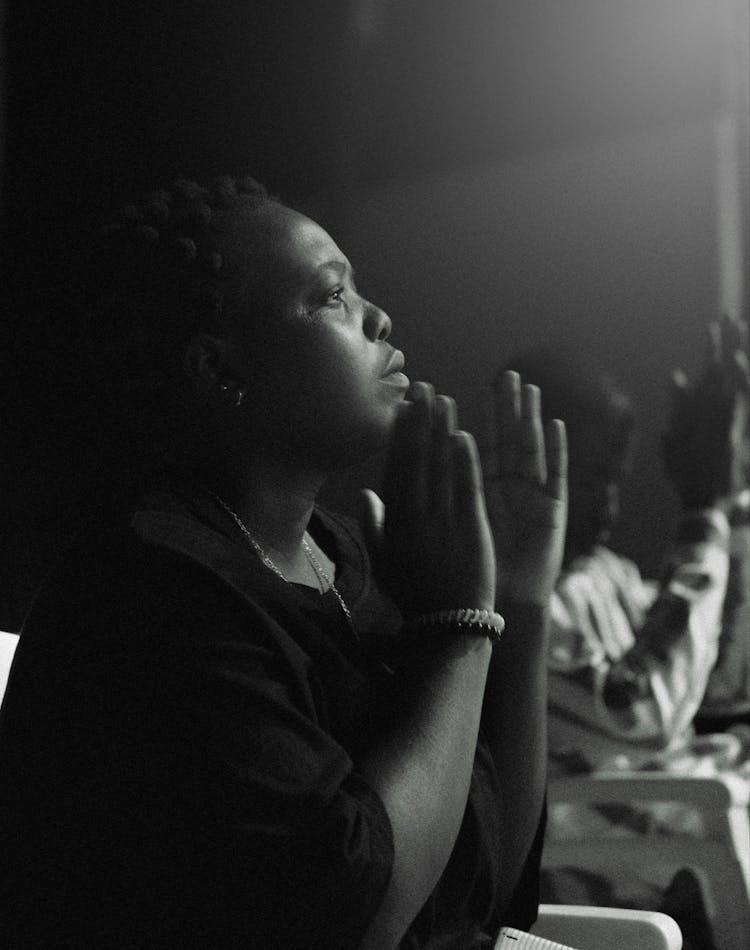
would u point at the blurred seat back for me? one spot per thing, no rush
(8, 643)
(717, 850)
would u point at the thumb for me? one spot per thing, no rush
(679, 381)
(372, 519)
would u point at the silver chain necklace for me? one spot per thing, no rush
(326, 582)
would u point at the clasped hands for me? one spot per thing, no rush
(452, 531)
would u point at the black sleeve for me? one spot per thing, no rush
(308, 832)
(165, 764)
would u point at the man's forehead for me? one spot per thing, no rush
(274, 229)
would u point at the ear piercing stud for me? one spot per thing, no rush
(230, 394)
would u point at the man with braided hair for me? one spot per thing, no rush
(222, 727)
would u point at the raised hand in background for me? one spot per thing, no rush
(706, 446)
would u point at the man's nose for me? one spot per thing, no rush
(377, 323)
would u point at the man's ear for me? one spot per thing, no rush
(208, 365)
(204, 361)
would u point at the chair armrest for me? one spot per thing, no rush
(723, 800)
(607, 928)
(717, 792)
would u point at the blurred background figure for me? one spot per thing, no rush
(632, 661)
(710, 422)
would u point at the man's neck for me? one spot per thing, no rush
(274, 507)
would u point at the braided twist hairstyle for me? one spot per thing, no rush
(174, 264)
(159, 276)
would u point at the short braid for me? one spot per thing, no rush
(158, 275)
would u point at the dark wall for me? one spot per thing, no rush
(103, 100)
(608, 247)
(547, 171)
(108, 97)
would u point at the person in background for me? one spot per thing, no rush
(710, 420)
(229, 722)
(631, 659)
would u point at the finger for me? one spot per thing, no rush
(679, 393)
(735, 352)
(372, 519)
(556, 439)
(468, 489)
(733, 337)
(444, 426)
(679, 381)
(742, 335)
(532, 461)
(713, 345)
(742, 370)
(407, 471)
(508, 413)
(729, 372)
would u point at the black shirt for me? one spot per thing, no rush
(179, 746)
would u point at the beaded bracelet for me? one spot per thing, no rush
(483, 622)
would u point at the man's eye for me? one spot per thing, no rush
(336, 295)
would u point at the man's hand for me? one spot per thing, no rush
(431, 539)
(706, 446)
(525, 471)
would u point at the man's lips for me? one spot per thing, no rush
(395, 364)
(393, 374)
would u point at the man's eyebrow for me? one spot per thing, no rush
(341, 267)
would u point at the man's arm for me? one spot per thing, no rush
(526, 478)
